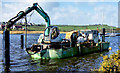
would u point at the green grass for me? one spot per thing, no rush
(71, 27)
(35, 28)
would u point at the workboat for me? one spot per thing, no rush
(75, 43)
(51, 45)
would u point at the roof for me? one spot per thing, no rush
(18, 26)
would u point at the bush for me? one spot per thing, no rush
(110, 63)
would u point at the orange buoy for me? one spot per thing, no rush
(110, 48)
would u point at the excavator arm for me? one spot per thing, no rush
(48, 33)
(21, 14)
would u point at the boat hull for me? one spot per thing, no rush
(55, 53)
(69, 52)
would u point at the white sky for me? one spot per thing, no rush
(60, 0)
(66, 12)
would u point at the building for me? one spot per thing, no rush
(17, 27)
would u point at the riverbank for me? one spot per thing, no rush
(65, 28)
(28, 32)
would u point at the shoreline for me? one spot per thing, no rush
(35, 32)
(28, 32)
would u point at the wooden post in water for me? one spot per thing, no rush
(25, 32)
(6, 50)
(103, 35)
(103, 38)
(22, 41)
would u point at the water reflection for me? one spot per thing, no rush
(1, 52)
(21, 61)
(80, 63)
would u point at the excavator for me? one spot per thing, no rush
(49, 40)
(50, 34)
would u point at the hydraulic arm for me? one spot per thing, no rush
(21, 14)
(49, 34)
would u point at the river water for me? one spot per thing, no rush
(21, 61)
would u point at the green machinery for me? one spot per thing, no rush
(51, 32)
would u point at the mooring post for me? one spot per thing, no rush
(103, 38)
(103, 35)
(6, 50)
(22, 41)
(25, 32)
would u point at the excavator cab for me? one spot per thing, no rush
(51, 33)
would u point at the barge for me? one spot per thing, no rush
(75, 43)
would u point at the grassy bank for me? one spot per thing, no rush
(66, 28)
(63, 28)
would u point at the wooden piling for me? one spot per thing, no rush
(6, 50)
(103, 35)
(22, 41)
(25, 32)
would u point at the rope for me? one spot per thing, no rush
(30, 16)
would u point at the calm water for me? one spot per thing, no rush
(21, 61)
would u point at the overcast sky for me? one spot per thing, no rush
(80, 12)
